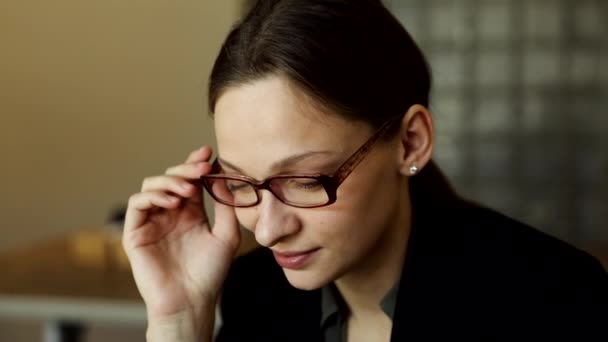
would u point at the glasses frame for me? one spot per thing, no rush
(329, 182)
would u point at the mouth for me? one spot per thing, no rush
(294, 260)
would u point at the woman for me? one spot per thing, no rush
(324, 152)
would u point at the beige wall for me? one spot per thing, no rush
(95, 95)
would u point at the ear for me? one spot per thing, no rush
(416, 140)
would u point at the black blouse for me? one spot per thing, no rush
(470, 273)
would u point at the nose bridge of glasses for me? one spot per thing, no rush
(268, 199)
(265, 184)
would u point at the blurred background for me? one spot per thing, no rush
(96, 95)
(521, 105)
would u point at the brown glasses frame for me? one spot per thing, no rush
(329, 182)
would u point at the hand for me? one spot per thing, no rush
(179, 263)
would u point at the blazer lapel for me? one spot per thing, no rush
(423, 285)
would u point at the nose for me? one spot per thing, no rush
(275, 222)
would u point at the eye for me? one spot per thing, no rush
(234, 186)
(306, 184)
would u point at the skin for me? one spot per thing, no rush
(260, 127)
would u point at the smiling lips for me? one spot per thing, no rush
(294, 260)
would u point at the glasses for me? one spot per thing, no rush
(297, 190)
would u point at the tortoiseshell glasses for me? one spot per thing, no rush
(298, 190)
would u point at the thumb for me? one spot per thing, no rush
(226, 225)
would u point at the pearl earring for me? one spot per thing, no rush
(413, 169)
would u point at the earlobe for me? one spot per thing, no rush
(413, 169)
(416, 138)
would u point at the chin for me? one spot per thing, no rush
(307, 280)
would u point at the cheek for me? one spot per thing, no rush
(247, 217)
(365, 207)
(346, 236)
(370, 194)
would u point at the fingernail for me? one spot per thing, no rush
(187, 186)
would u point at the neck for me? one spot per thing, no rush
(365, 288)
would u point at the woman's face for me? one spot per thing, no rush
(268, 127)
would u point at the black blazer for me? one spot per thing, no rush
(470, 274)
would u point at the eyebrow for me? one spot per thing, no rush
(283, 163)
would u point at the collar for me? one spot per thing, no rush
(333, 305)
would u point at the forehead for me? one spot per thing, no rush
(270, 105)
(258, 123)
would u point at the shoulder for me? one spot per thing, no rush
(474, 264)
(527, 270)
(516, 245)
(482, 246)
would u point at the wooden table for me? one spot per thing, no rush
(73, 280)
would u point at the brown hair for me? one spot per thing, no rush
(351, 56)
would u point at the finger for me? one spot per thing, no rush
(192, 171)
(202, 154)
(146, 235)
(174, 184)
(141, 203)
(226, 226)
